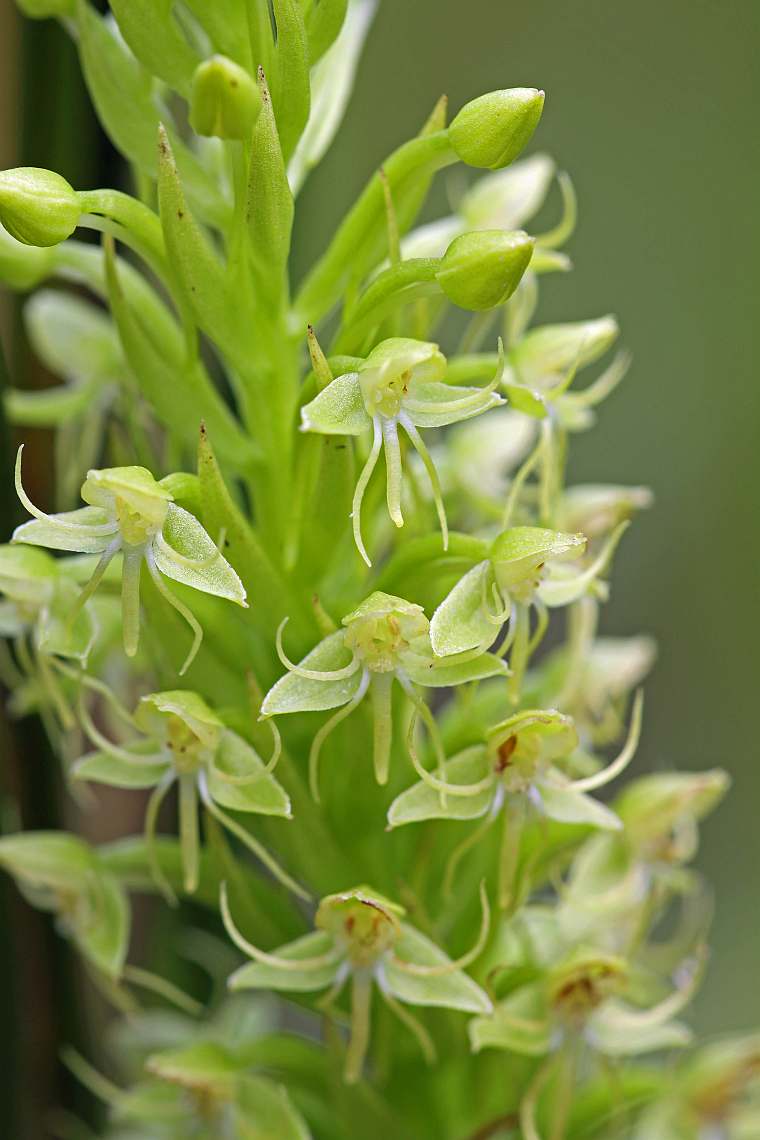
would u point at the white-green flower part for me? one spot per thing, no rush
(182, 741)
(61, 873)
(580, 995)
(527, 567)
(361, 937)
(128, 512)
(400, 385)
(385, 639)
(516, 770)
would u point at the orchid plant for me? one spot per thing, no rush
(430, 621)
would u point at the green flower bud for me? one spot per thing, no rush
(37, 207)
(225, 100)
(491, 131)
(22, 266)
(481, 270)
(42, 9)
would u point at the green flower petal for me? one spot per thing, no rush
(521, 1024)
(437, 675)
(235, 757)
(338, 409)
(566, 805)
(40, 532)
(423, 802)
(185, 536)
(302, 694)
(460, 622)
(260, 976)
(450, 991)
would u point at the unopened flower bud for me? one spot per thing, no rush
(37, 207)
(481, 270)
(491, 131)
(225, 100)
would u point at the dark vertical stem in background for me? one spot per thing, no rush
(45, 120)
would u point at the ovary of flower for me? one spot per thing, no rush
(130, 512)
(399, 385)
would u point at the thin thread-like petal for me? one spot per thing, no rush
(361, 487)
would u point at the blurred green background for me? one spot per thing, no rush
(652, 107)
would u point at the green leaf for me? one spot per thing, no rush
(189, 540)
(263, 1112)
(126, 102)
(149, 29)
(235, 757)
(199, 272)
(423, 802)
(155, 367)
(103, 933)
(332, 79)
(338, 409)
(324, 20)
(270, 203)
(303, 694)
(461, 622)
(451, 991)
(521, 1024)
(261, 976)
(291, 93)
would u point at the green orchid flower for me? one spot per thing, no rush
(399, 385)
(60, 873)
(523, 568)
(183, 741)
(385, 639)
(193, 1088)
(582, 1001)
(360, 936)
(716, 1093)
(517, 769)
(130, 513)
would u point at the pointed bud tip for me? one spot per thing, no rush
(482, 269)
(491, 131)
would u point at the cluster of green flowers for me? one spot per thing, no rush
(461, 756)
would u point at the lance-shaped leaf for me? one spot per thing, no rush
(324, 21)
(332, 78)
(148, 27)
(452, 990)
(291, 92)
(200, 273)
(270, 200)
